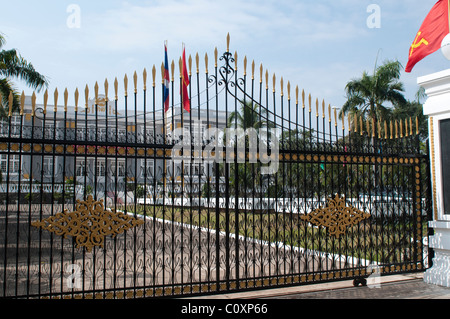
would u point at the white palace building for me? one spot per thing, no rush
(96, 172)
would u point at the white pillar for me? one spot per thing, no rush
(437, 108)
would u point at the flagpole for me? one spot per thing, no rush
(182, 116)
(448, 17)
(164, 122)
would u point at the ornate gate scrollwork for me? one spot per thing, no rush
(336, 216)
(89, 223)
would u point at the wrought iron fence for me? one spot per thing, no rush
(260, 186)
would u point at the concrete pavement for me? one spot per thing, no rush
(405, 286)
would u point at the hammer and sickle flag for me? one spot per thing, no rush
(429, 37)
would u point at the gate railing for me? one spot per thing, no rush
(109, 200)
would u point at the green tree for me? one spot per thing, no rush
(14, 66)
(243, 176)
(250, 115)
(413, 109)
(367, 96)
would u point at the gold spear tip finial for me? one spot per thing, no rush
(76, 99)
(228, 42)
(22, 102)
(144, 78)
(66, 97)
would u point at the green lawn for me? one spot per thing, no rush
(372, 240)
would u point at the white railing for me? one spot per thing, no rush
(38, 188)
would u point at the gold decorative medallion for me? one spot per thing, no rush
(89, 223)
(336, 216)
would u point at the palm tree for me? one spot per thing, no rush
(367, 96)
(13, 65)
(250, 115)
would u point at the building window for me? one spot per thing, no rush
(12, 166)
(81, 167)
(47, 165)
(100, 168)
(147, 167)
(120, 170)
(15, 126)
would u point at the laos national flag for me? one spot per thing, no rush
(166, 80)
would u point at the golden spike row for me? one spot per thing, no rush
(396, 129)
(401, 128)
(406, 128)
(144, 79)
(281, 86)
(33, 103)
(153, 77)
(245, 65)
(197, 62)
(303, 98)
(391, 129)
(335, 118)
(116, 89)
(22, 103)
(55, 99)
(288, 87)
(215, 57)
(329, 112)
(373, 127)
(361, 125)
(309, 101)
(417, 125)
(253, 69)
(106, 85)
(10, 102)
(190, 64)
(410, 126)
(379, 129)
(66, 97)
(172, 69)
(76, 99)
(260, 73)
(96, 92)
(267, 79)
(317, 107)
(273, 82)
(125, 84)
(86, 96)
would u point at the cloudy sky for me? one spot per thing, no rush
(318, 45)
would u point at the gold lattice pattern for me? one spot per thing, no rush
(336, 216)
(89, 223)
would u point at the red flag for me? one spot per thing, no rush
(184, 85)
(429, 37)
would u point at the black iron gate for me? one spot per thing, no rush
(257, 186)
